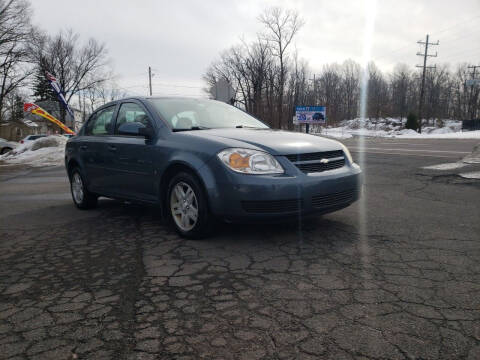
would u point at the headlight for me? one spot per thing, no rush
(347, 153)
(248, 161)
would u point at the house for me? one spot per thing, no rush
(31, 124)
(17, 130)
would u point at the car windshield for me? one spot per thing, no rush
(186, 114)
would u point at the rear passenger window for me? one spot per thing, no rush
(101, 122)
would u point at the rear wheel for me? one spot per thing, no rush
(5, 150)
(82, 198)
(187, 206)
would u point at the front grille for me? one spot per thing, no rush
(319, 167)
(312, 162)
(332, 200)
(272, 206)
(314, 156)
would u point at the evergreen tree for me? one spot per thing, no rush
(42, 90)
(412, 121)
(17, 111)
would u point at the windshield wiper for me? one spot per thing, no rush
(192, 128)
(246, 126)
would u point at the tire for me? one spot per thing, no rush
(82, 198)
(185, 194)
(5, 150)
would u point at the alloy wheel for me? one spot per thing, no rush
(77, 188)
(184, 206)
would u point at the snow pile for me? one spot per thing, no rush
(48, 150)
(471, 175)
(394, 128)
(474, 157)
(446, 166)
(406, 132)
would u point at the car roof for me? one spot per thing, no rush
(148, 98)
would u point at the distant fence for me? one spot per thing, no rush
(470, 125)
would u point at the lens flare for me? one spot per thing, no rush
(370, 13)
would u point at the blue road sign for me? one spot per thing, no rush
(311, 114)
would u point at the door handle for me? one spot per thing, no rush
(112, 148)
(83, 147)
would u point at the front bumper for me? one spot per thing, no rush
(241, 197)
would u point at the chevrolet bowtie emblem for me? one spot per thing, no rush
(324, 161)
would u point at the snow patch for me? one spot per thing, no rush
(45, 151)
(393, 128)
(474, 157)
(471, 175)
(446, 166)
(30, 123)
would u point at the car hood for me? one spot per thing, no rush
(276, 142)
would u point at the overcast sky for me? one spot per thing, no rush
(179, 39)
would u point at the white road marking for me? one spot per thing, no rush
(405, 154)
(415, 150)
(471, 175)
(402, 143)
(447, 166)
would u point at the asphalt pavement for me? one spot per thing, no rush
(394, 276)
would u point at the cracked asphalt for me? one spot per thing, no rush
(395, 276)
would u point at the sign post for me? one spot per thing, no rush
(223, 91)
(310, 115)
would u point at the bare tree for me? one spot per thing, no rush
(103, 92)
(76, 67)
(329, 91)
(350, 88)
(15, 31)
(269, 83)
(400, 85)
(378, 93)
(281, 27)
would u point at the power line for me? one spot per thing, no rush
(436, 33)
(456, 25)
(462, 36)
(424, 67)
(179, 86)
(393, 52)
(468, 52)
(135, 86)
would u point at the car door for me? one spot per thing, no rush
(134, 171)
(93, 149)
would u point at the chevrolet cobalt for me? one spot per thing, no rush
(201, 160)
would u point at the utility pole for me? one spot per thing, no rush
(150, 79)
(422, 90)
(307, 126)
(472, 105)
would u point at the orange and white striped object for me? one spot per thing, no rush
(37, 110)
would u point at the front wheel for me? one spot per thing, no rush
(82, 198)
(187, 206)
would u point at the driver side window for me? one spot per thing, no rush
(132, 112)
(100, 122)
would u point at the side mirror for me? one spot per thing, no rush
(135, 129)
